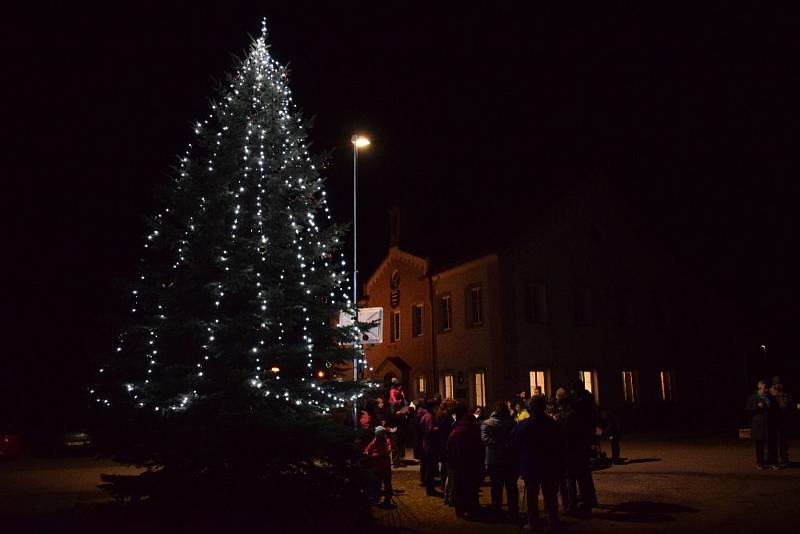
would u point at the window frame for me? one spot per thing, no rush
(475, 312)
(395, 326)
(536, 303)
(666, 394)
(446, 312)
(452, 377)
(625, 308)
(630, 393)
(591, 385)
(482, 374)
(584, 308)
(545, 385)
(417, 307)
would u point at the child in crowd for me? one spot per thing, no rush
(380, 454)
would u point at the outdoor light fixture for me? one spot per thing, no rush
(276, 370)
(360, 141)
(321, 374)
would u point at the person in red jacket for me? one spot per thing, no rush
(380, 454)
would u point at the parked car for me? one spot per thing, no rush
(59, 442)
(74, 441)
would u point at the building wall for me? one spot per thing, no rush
(469, 348)
(643, 314)
(647, 316)
(413, 288)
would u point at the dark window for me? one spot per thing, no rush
(625, 309)
(659, 309)
(395, 326)
(476, 306)
(536, 305)
(583, 308)
(416, 320)
(447, 316)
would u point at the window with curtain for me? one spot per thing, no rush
(666, 385)
(588, 380)
(629, 386)
(538, 378)
(449, 392)
(480, 389)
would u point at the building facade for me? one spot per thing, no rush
(441, 329)
(583, 297)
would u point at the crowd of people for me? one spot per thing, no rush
(769, 408)
(548, 443)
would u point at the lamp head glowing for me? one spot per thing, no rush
(275, 370)
(360, 141)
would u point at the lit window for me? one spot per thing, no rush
(416, 320)
(395, 326)
(421, 385)
(476, 309)
(628, 386)
(538, 379)
(448, 387)
(588, 381)
(666, 386)
(447, 316)
(480, 389)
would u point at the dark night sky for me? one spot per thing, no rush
(478, 115)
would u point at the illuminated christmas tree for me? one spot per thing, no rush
(224, 370)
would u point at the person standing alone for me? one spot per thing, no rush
(761, 407)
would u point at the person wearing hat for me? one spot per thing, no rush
(379, 452)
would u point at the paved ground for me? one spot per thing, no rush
(683, 485)
(680, 485)
(36, 487)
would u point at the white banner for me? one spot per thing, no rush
(372, 336)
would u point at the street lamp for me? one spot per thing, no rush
(359, 141)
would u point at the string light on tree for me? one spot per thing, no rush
(239, 278)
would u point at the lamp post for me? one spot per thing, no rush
(359, 141)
